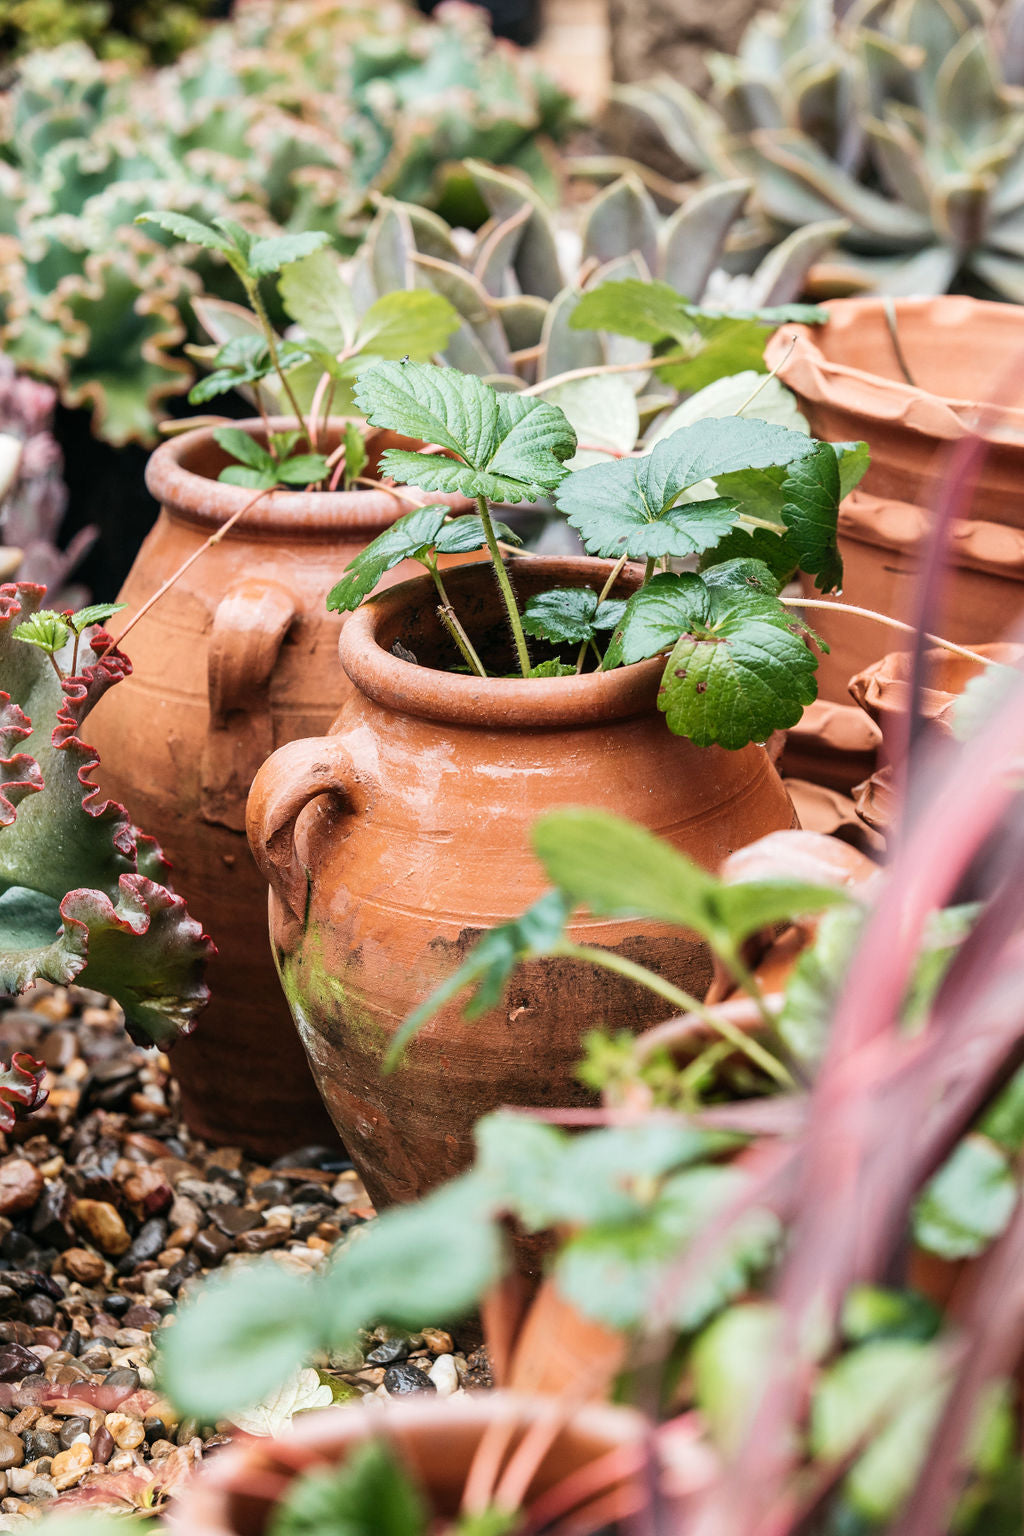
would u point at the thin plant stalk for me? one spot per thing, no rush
(883, 618)
(684, 1002)
(252, 290)
(186, 565)
(450, 619)
(504, 586)
(598, 370)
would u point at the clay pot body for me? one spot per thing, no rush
(240, 657)
(236, 1494)
(963, 353)
(882, 544)
(394, 842)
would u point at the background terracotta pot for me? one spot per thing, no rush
(240, 657)
(882, 543)
(960, 352)
(438, 1442)
(394, 842)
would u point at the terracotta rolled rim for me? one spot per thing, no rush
(813, 376)
(903, 525)
(297, 514)
(497, 703)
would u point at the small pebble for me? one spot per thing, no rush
(127, 1432)
(12, 1449)
(444, 1375)
(405, 1378)
(71, 1465)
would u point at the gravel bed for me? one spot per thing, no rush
(109, 1211)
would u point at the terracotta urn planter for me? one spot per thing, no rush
(240, 657)
(883, 692)
(393, 842)
(962, 354)
(446, 1446)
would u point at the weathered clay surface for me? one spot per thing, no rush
(883, 691)
(437, 1442)
(882, 543)
(396, 840)
(965, 358)
(240, 657)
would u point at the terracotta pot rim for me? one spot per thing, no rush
(202, 1506)
(295, 514)
(904, 525)
(816, 377)
(496, 703)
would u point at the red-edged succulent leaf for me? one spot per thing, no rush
(83, 893)
(21, 1088)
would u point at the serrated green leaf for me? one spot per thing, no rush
(355, 453)
(316, 296)
(729, 396)
(747, 671)
(269, 253)
(968, 1202)
(553, 668)
(654, 618)
(647, 311)
(854, 459)
(615, 505)
(250, 479)
(182, 227)
(96, 613)
(302, 469)
(416, 1264)
(616, 869)
(731, 1365)
(871, 1312)
(513, 447)
(415, 531)
(564, 615)
(244, 448)
(413, 324)
(241, 360)
(282, 443)
(464, 534)
(811, 494)
(489, 965)
(45, 629)
(238, 1339)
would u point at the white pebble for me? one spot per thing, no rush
(444, 1375)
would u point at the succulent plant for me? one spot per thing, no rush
(116, 28)
(33, 498)
(904, 117)
(244, 125)
(84, 896)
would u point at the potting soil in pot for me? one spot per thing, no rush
(108, 1209)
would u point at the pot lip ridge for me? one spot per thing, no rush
(812, 375)
(296, 514)
(495, 703)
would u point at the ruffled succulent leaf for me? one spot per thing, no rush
(21, 1088)
(79, 898)
(746, 671)
(511, 447)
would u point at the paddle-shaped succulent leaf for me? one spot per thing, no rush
(903, 120)
(81, 891)
(510, 448)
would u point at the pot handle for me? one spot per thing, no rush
(249, 626)
(293, 776)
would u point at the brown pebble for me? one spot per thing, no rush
(12, 1449)
(126, 1431)
(83, 1265)
(102, 1445)
(69, 1466)
(147, 1191)
(102, 1222)
(70, 1373)
(161, 1448)
(183, 1236)
(21, 1184)
(28, 1418)
(262, 1240)
(168, 1257)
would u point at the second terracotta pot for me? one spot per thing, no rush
(240, 656)
(394, 842)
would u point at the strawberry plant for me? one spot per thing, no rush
(751, 500)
